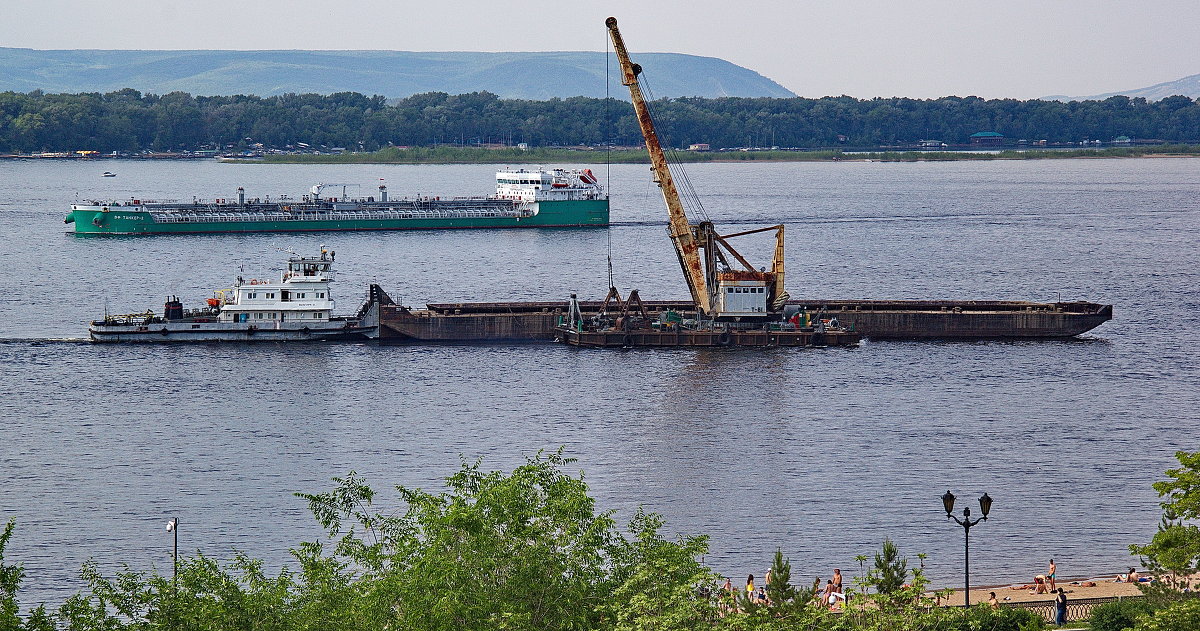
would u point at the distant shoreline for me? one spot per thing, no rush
(472, 155)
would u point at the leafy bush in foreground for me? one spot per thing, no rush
(1119, 615)
(495, 550)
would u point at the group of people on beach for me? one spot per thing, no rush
(832, 595)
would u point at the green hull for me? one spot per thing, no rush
(552, 214)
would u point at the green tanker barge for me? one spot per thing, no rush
(556, 198)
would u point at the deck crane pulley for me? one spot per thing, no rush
(719, 293)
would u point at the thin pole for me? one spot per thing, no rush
(175, 556)
(967, 563)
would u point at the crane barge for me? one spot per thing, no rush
(734, 303)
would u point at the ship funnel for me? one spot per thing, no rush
(241, 196)
(383, 192)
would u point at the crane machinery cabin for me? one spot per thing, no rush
(735, 304)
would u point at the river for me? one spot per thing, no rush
(821, 453)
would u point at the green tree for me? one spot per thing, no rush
(890, 571)
(10, 582)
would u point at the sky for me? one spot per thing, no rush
(863, 48)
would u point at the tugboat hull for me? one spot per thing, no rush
(184, 331)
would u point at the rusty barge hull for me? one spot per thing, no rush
(682, 337)
(481, 322)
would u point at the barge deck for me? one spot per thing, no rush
(535, 322)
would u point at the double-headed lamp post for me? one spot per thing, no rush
(985, 505)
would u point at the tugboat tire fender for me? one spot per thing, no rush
(725, 338)
(627, 340)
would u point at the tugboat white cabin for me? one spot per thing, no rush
(300, 295)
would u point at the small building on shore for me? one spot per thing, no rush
(987, 139)
(699, 146)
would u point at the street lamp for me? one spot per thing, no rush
(173, 527)
(985, 505)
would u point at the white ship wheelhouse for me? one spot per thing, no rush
(548, 185)
(300, 295)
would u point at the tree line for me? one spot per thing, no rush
(128, 120)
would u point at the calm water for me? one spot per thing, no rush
(821, 453)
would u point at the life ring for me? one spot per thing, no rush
(834, 323)
(725, 338)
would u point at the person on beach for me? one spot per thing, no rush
(1050, 574)
(837, 580)
(1132, 577)
(727, 588)
(1060, 608)
(827, 597)
(992, 602)
(750, 587)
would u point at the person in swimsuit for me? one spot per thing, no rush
(992, 602)
(1050, 574)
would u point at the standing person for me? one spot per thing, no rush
(827, 597)
(750, 587)
(1060, 608)
(837, 580)
(1050, 574)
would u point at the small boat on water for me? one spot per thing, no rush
(108, 174)
(296, 307)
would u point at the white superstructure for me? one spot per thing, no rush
(554, 185)
(300, 295)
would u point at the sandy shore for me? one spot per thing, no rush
(1105, 588)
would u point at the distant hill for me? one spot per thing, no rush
(392, 74)
(1187, 86)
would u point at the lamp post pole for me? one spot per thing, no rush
(173, 527)
(985, 505)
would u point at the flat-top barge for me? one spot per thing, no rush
(482, 322)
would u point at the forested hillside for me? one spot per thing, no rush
(394, 74)
(128, 120)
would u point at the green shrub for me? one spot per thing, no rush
(1119, 615)
(1181, 616)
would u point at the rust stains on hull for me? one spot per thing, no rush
(877, 319)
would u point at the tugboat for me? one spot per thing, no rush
(297, 307)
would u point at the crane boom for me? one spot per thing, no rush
(683, 235)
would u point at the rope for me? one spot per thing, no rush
(688, 195)
(609, 144)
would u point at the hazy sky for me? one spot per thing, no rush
(864, 48)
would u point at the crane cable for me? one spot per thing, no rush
(688, 192)
(608, 153)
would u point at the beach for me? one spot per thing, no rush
(1105, 587)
